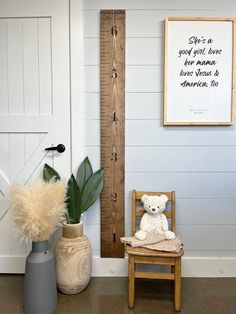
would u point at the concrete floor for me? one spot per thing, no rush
(109, 296)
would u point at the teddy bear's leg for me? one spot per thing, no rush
(141, 235)
(169, 235)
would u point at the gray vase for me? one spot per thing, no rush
(40, 291)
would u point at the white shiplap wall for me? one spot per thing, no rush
(197, 162)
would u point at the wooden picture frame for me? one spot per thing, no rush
(199, 72)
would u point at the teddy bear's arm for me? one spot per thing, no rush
(164, 223)
(169, 235)
(142, 233)
(143, 222)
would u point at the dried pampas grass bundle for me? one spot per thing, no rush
(38, 208)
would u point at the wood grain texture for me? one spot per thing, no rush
(149, 275)
(73, 258)
(141, 255)
(177, 278)
(112, 100)
(131, 284)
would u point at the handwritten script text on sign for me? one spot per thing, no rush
(199, 63)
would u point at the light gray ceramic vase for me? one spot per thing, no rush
(40, 291)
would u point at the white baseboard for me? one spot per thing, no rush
(114, 267)
(12, 264)
(208, 267)
(191, 267)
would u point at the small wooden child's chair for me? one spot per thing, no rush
(146, 256)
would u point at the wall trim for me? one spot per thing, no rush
(76, 82)
(191, 267)
(12, 264)
(113, 267)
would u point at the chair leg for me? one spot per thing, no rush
(131, 288)
(178, 284)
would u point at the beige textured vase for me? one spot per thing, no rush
(73, 256)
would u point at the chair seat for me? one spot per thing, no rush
(148, 252)
(170, 261)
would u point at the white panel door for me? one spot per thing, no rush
(34, 103)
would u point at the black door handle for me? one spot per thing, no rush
(60, 148)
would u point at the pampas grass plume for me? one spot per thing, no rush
(38, 208)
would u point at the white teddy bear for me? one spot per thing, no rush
(153, 221)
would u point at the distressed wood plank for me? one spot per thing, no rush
(112, 77)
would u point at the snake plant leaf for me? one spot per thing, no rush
(92, 189)
(49, 173)
(84, 173)
(74, 198)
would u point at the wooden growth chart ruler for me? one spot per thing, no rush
(112, 102)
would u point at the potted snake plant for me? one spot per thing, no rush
(73, 252)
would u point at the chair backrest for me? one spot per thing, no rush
(137, 212)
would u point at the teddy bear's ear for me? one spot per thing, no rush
(164, 198)
(144, 198)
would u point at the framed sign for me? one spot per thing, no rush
(199, 71)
